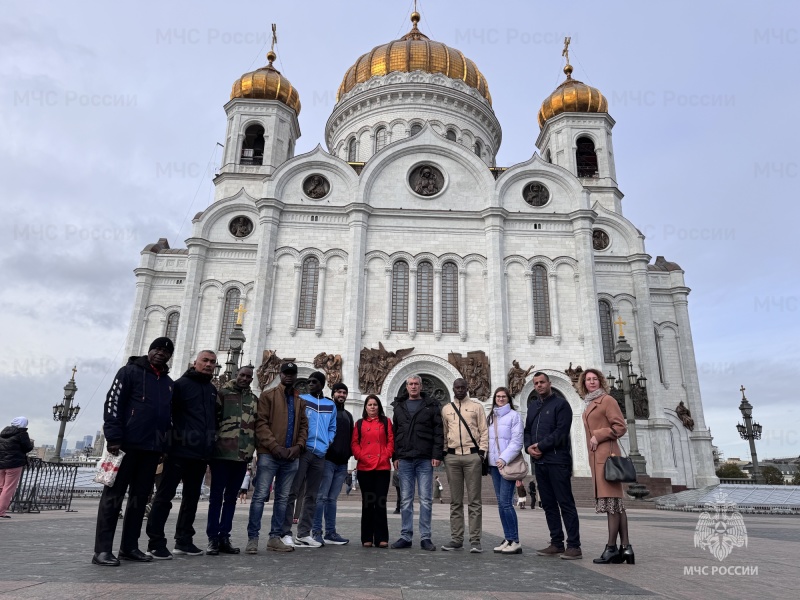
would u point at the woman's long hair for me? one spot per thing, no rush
(582, 391)
(381, 416)
(494, 402)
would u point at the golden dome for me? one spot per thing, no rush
(572, 96)
(267, 83)
(414, 52)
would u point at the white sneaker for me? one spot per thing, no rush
(502, 546)
(306, 542)
(287, 540)
(512, 548)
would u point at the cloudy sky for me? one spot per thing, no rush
(111, 114)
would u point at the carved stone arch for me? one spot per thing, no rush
(334, 252)
(241, 202)
(306, 252)
(315, 160)
(620, 225)
(510, 260)
(566, 260)
(233, 283)
(453, 258)
(417, 364)
(425, 257)
(683, 471)
(469, 258)
(210, 283)
(612, 302)
(587, 134)
(397, 121)
(172, 308)
(537, 167)
(379, 254)
(665, 325)
(561, 381)
(155, 309)
(546, 262)
(284, 251)
(398, 256)
(623, 297)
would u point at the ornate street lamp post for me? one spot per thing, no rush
(237, 340)
(65, 413)
(751, 432)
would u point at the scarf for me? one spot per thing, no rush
(593, 396)
(501, 411)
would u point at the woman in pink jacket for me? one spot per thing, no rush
(373, 446)
(604, 425)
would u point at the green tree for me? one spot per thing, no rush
(772, 475)
(796, 478)
(730, 471)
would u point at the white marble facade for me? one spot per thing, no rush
(478, 221)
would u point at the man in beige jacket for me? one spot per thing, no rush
(466, 441)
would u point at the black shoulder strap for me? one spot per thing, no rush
(469, 431)
(358, 426)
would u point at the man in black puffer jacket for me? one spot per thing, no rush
(137, 421)
(14, 447)
(194, 430)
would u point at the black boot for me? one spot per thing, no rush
(213, 547)
(610, 555)
(627, 555)
(225, 546)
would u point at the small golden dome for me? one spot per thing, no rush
(572, 96)
(267, 83)
(414, 52)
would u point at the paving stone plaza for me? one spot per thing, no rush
(48, 555)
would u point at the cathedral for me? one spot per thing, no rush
(403, 248)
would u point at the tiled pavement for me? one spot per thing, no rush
(48, 556)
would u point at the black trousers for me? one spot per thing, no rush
(137, 472)
(374, 489)
(397, 489)
(191, 472)
(555, 493)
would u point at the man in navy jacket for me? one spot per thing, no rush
(547, 441)
(194, 429)
(136, 420)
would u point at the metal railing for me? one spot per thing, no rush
(44, 486)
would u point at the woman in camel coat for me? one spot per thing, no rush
(604, 424)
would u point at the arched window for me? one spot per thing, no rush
(380, 138)
(450, 135)
(351, 150)
(400, 296)
(253, 146)
(547, 156)
(658, 355)
(308, 293)
(478, 148)
(425, 297)
(232, 299)
(449, 298)
(415, 129)
(606, 331)
(172, 326)
(585, 158)
(541, 301)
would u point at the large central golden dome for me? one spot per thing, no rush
(414, 52)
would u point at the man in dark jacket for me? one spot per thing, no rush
(418, 448)
(137, 421)
(14, 447)
(547, 441)
(335, 472)
(194, 429)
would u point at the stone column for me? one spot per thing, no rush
(462, 304)
(493, 227)
(187, 326)
(266, 269)
(412, 302)
(355, 297)
(144, 284)
(320, 300)
(555, 320)
(437, 302)
(364, 293)
(531, 315)
(298, 273)
(387, 325)
(344, 305)
(582, 221)
(579, 305)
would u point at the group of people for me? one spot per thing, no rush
(303, 443)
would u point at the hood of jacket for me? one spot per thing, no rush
(11, 431)
(144, 363)
(197, 376)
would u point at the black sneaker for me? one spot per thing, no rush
(452, 546)
(401, 543)
(427, 545)
(160, 554)
(225, 546)
(189, 549)
(135, 555)
(213, 547)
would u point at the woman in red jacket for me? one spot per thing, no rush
(373, 446)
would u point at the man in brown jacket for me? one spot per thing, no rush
(466, 441)
(281, 433)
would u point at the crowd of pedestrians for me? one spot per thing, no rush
(303, 443)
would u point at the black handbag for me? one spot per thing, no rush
(485, 457)
(619, 469)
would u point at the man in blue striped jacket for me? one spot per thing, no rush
(321, 414)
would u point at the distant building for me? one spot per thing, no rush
(87, 441)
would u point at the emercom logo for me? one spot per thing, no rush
(720, 528)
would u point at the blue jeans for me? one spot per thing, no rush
(504, 490)
(283, 472)
(419, 470)
(329, 489)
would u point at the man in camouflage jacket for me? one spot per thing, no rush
(233, 450)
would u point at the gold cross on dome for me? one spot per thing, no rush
(565, 52)
(240, 313)
(619, 322)
(274, 36)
